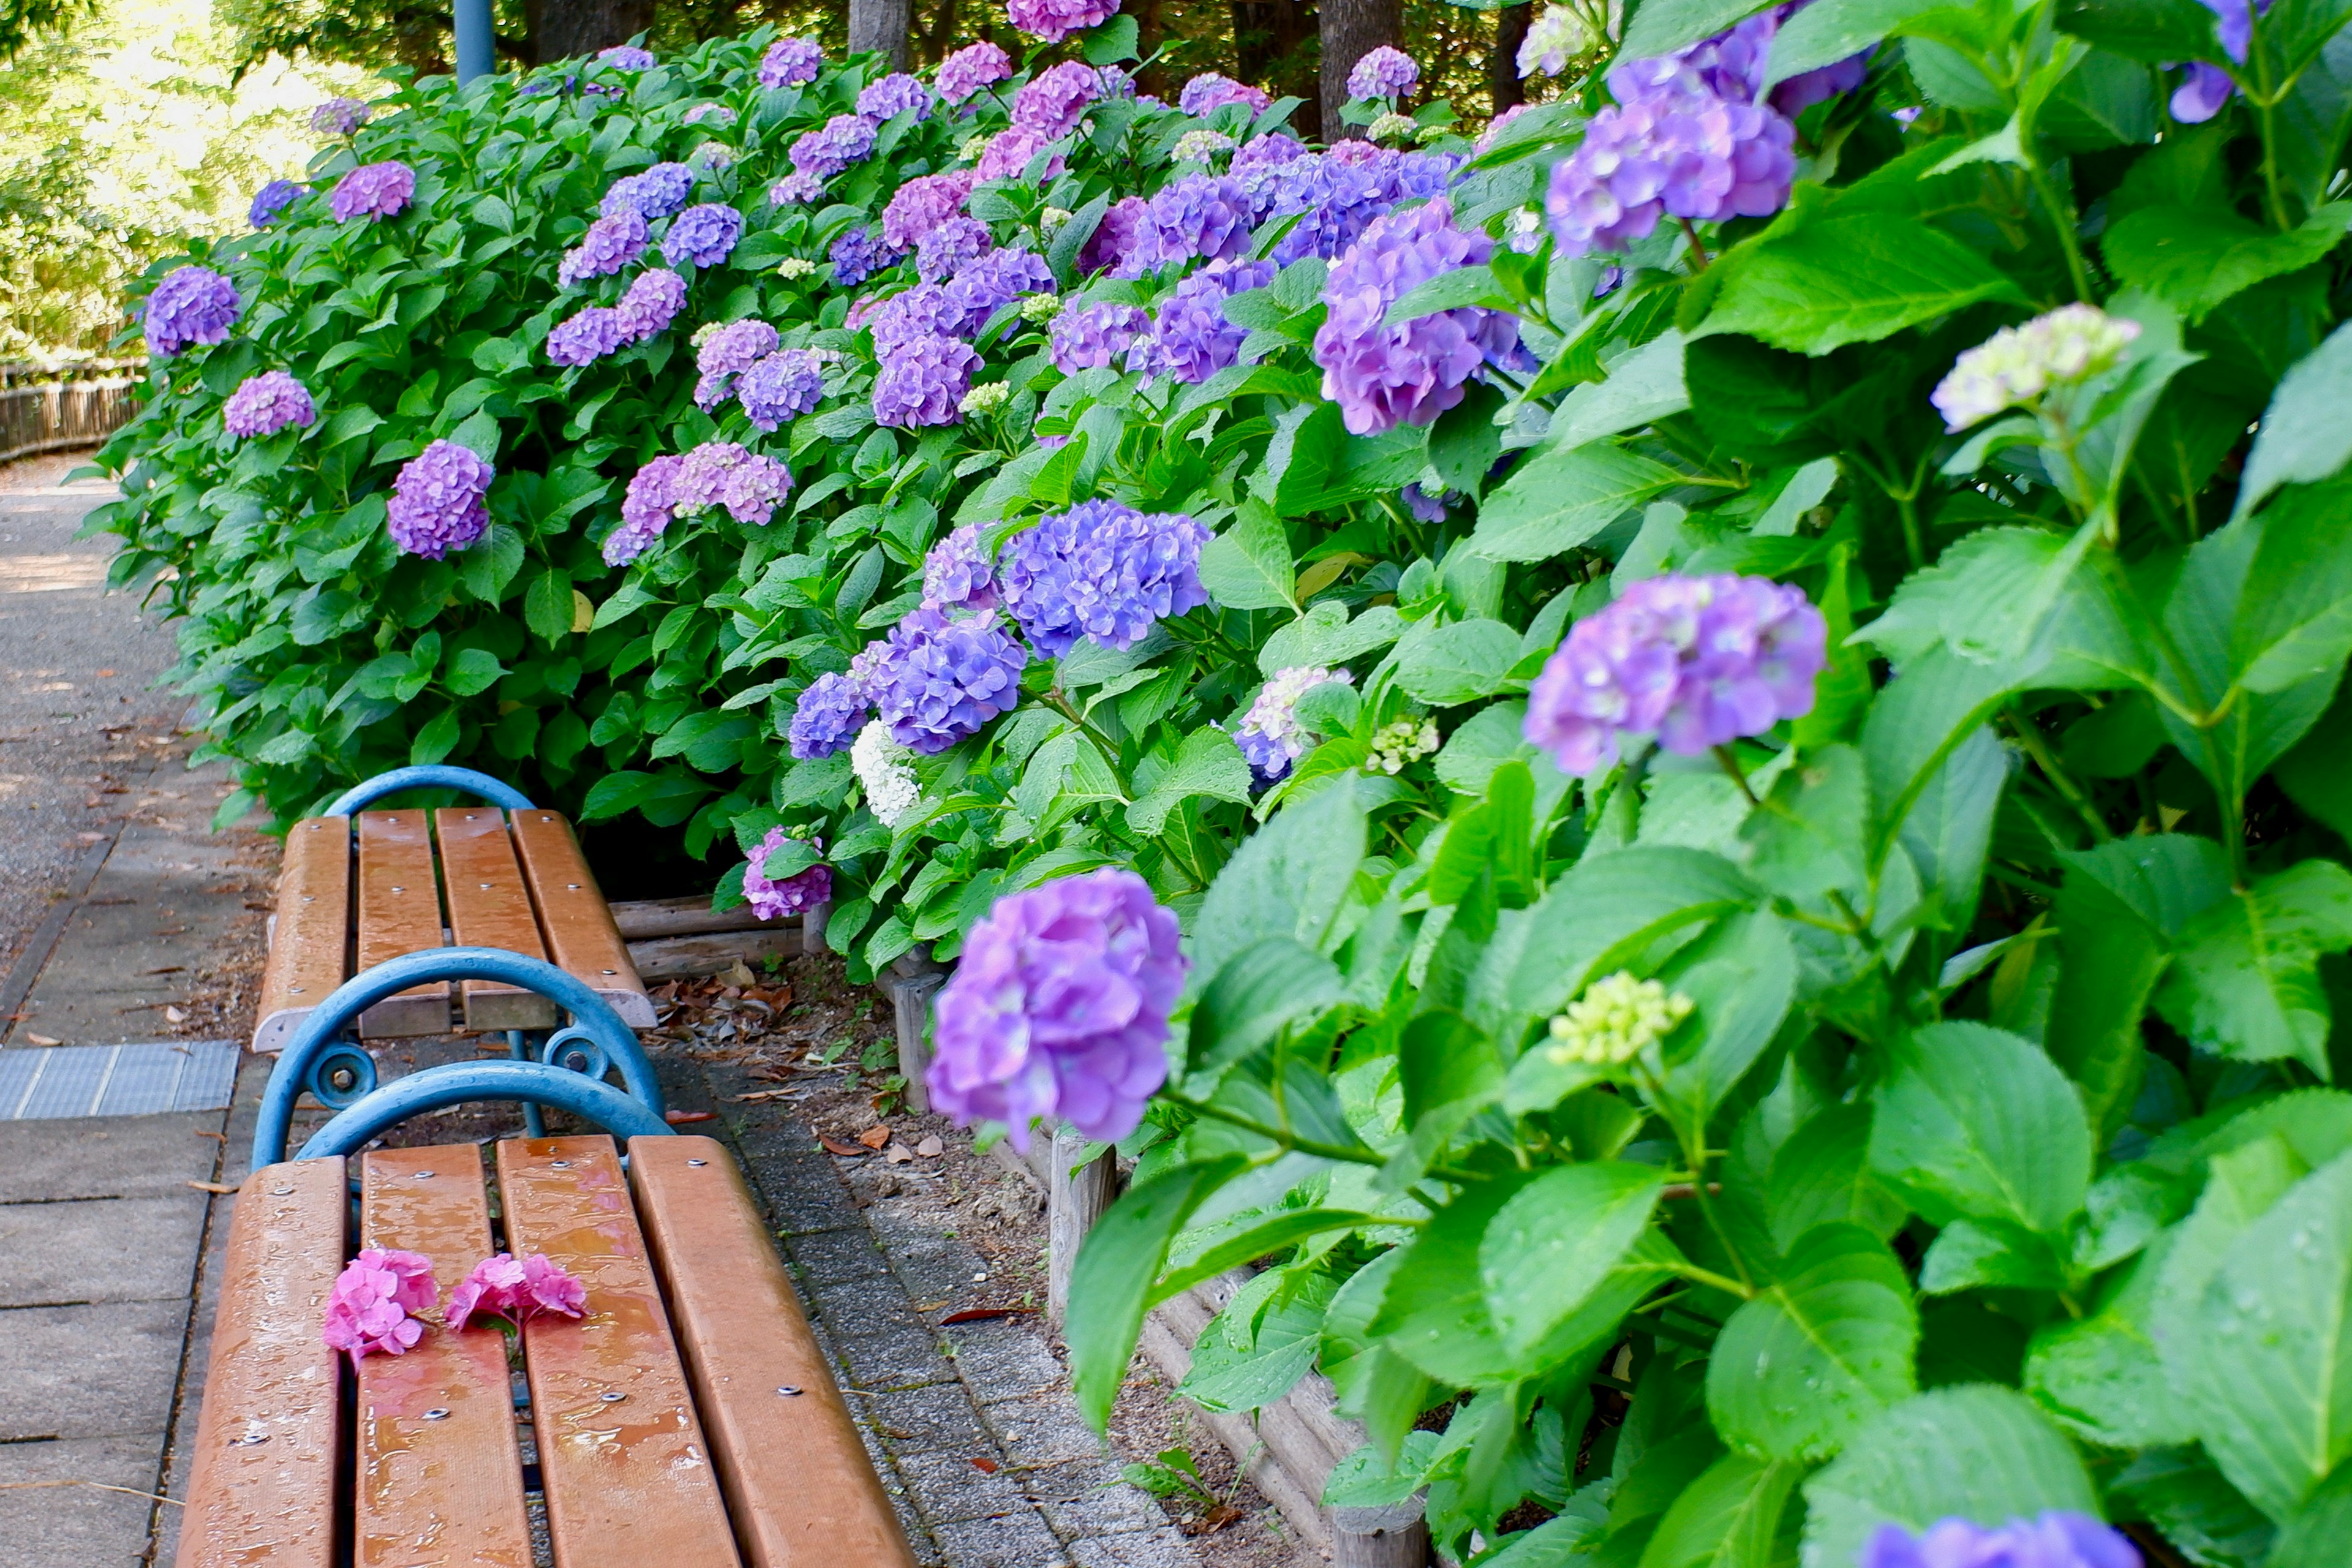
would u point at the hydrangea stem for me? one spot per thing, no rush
(1697, 249)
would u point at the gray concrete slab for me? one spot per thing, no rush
(100, 1249)
(105, 1157)
(55, 1511)
(103, 1371)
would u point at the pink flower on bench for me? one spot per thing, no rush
(370, 1308)
(499, 1287)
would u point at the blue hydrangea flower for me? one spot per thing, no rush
(589, 335)
(192, 305)
(858, 254)
(610, 244)
(705, 236)
(1101, 570)
(948, 246)
(654, 193)
(270, 200)
(1207, 216)
(1193, 339)
(922, 380)
(438, 502)
(995, 278)
(945, 679)
(789, 62)
(894, 95)
(783, 385)
(958, 573)
(1095, 336)
(828, 716)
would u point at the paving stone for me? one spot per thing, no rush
(104, 1249)
(835, 1257)
(1017, 1540)
(938, 1418)
(78, 1526)
(948, 1489)
(90, 1372)
(898, 1356)
(1042, 1431)
(1003, 1359)
(1162, 1548)
(1087, 1497)
(106, 1157)
(933, 1266)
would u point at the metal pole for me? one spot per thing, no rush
(471, 23)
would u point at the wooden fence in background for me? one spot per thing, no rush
(44, 408)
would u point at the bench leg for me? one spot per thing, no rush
(534, 1122)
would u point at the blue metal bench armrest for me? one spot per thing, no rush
(437, 776)
(456, 1083)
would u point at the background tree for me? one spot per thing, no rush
(1350, 29)
(1504, 87)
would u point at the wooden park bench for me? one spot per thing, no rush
(688, 1418)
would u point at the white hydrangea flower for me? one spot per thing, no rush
(796, 267)
(1041, 307)
(1555, 38)
(2017, 364)
(1269, 734)
(1053, 218)
(1199, 146)
(1615, 1020)
(1394, 128)
(885, 769)
(712, 155)
(986, 398)
(709, 114)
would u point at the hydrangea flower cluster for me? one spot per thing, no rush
(652, 194)
(651, 302)
(1122, 228)
(922, 380)
(724, 352)
(1382, 376)
(1208, 92)
(948, 246)
(921, 204)
(789, 62)
(1193, 339)
(2055, 1539)
(1384, 72)
(844, 140)
(858, 254)
(271, 200)
(1053, 20)
(885, 772)
(1392, 128)
(970, 69)
(988, 397)
(1059, 1008)
(1670, 146)
(780, 387)
(924, 311)
(940, 679)
(1201, 146)
(800, 186)
(1204, 216)
(192, 305)
(704, 236)
(1095, 336)
(958, 573)
(1056, 99)
(1697, 661)
(373, 190)
(340, 117)
(266, 404)
(993, 279)
(611, 244)
(1615, 1021)
(370, 1308)
(440, 501)
(1401, 742)
(1102, 570)
(1010, 152)
(894, 95)
(827, 717)
(1554, 39)
(584, 337)
(1339, 193)
(1269, 734)
(774, 899)
(2017, 364)
(499, 1287)
(625, 57)
(723, 473)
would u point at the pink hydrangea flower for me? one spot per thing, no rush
(369, 1310)
(500, 1286)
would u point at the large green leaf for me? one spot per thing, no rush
(2295, 621)
(1850, 280)
(2100, 1375)
(1562, 498)
(1556, 1240)
(1829, 30)
(1248, 566)
(1287, 880)
(1820, 1351)
(1662, 27)
(1726, 1518)
(1975, 1121)
(1455, 663)
(1253, 995)
(1208, 763)
(2315, 1537)
(1113, 1275)
(1975, 1451)
(2245, 980)
(1251, 1354)
(1741, 978)
(2194, 258)
(1821, 1176)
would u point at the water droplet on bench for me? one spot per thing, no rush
(437, 1414)
(697, 1164)
(788, 1391)
(612, 1396)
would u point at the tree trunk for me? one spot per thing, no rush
(1274, 49)
(1504, 87)
(879, 25)
(1352, 29)
(562, 29)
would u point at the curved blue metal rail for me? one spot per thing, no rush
(455, 1083)
(436, 777)
(320, 1044)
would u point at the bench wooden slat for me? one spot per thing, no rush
(803, 1492)
(262, 1483)
(489, 907)
(573, 912)
(310, 950)
(399, 911)
(444, 1488)
(629, 1481)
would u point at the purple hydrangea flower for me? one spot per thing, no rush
(610, 244)
(895, 95)
(373, 190)
(789, 62)
(1208, 92)
(1053, 20)
(192, 305)
(705, 236)
(944, 678)
(2056, 1539)
(1010, 152)
(270, 200)
(651, 302)
(1193, 339)
(1382, 376)
(1058, 1008)
(1384, 72)
(858, 254)
(439, 502)
(722, 473)
(2203, 94)
(800, 186)
(1697, 661)
(1269, 735)
(1056, 99)
(624, 58)
(971, 68)
(948, 246)
(709, 114)
(1101, 570)
(782, 386)
(840, 141)
(924, 311)
(339, 117)
(1732, 64)
(1124, 226)
(1671, 145)
(1338, 197)
(645, 510)
(828, 716)
(266, 404)
(1205, 215)
(726, 354)
(802, 890)
(1424, 506)
(922, 380)
(958, 573)
(1095, 336)
(921, 204)
(654, 193)
(995, 278)
(587, 337)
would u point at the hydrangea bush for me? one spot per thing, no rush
(1679, 760)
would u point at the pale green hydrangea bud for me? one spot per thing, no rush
(794, 267)
(705, 332)
(2017, 364)
(1041, 307)
(1429, 133)
(986, 398)
(1053, 218)
(712, 155)
(1405, 740)
(1199, 146)
(973, 146)
(1615, 1021)
(1394, 128)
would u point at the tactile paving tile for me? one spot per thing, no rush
(38, 1082)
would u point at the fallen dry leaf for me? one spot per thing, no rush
(897, 1154)
(212, 1187)
(1215, 1520)
(835, 1146)
(686, 1118)
(174, 1015)
(43, 1040)
(765, 1094)
(984, 1314)
(876, 1136)
(931, 1147)
(985, 1467)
